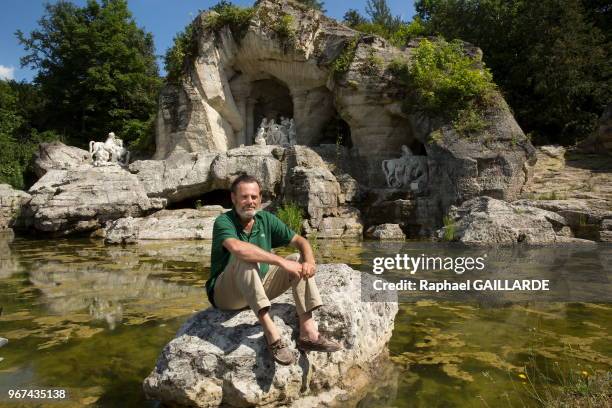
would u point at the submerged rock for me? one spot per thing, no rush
(487, 221)
(385, 231)
(220, 358)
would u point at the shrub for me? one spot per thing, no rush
(184, 49)
(372, 65)
(446, 83)
(342, 63)
(446, 79)
(469, 120)
(185, 46)
(449, 228)
(237, 18)
(292, 215)
(285, 32)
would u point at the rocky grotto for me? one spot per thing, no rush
(263, 102)
(273, 103)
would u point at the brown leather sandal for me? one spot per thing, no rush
(320, 344)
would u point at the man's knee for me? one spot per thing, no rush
(296, 257)
(244, 266)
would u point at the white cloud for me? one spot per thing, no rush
(7, 72)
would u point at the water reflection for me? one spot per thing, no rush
(75, 311)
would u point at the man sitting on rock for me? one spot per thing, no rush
(245, 273)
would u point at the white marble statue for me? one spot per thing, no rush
(273, 133)
(108, 152)
(291, 134)
(259, 137)
(407, 171)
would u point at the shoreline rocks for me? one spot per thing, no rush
(12, 203)
(487, 221)
(220, 357)
(74, 201)
(386, 232)
(163, 225)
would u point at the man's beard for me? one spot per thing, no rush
(246, 215)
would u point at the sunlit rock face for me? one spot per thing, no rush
(12, 202)
(69, 201)
(220, 358)
(487, 221)
(58, 156)
(234, 83)
(164, 225)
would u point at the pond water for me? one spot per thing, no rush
(92, 319)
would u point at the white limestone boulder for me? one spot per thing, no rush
(386, 232)
(165, 224)
(487, 221)
(58, 156)
(73, 201)
(12, 202)
(220, 358)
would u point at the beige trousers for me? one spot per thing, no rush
(239, 286)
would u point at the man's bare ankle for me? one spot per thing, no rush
(310, 335)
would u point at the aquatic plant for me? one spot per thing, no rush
(450, 228)
(292, 215)
(564, 385)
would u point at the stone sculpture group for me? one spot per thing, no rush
(407, 171)
(109, 152)
(272, 133)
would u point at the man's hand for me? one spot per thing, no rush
(293, 268)
(308, 270)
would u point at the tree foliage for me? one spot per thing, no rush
(381, 22)
(97, 71)
(551, 57)
(19, 111)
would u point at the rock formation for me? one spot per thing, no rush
(165, 224)
(72, 201)
(601, 140)
(487, 221)
(58, 156)
(239, 77)
(220, 357)
(12, 202)
(385, 231)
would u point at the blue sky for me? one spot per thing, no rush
(163, 18)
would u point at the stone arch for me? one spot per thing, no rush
(270, 99)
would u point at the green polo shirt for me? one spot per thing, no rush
(268, 232)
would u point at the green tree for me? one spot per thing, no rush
(352, 18)
(380, 14)
(19, 109)
(549, 57)
(382, 23)
(97, 71)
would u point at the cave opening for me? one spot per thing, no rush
(215, 197)
(417, 148)
(336, 131)
(272, 100)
